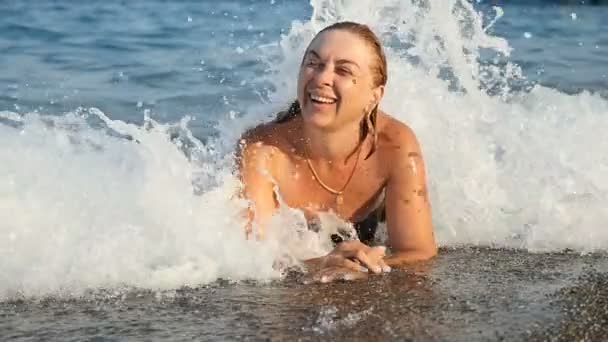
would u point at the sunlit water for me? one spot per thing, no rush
(117, 193)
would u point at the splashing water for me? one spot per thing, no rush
(87, 202)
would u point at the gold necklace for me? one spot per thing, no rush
(338, 193)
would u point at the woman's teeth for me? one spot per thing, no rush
(322, 99)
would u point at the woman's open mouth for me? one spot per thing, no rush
(319, 99)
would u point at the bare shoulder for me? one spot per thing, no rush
(265, 141)
(265, 133)
(396, 136)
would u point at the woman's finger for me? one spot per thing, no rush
(365, 260)
(318, 276)
(349, 275)
(377, 254)
(385, 268)
(349, 246)
(354, 266)
(325, 275)
(341, 273)
(330, 274)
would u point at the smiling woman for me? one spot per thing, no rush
(334, 151)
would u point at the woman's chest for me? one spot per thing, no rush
(349, 192)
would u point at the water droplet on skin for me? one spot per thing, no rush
(413, 166)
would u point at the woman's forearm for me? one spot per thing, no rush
(407, 257)
(314, 264)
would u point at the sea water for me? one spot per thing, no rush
(118, 121)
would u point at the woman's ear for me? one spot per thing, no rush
(377, 94)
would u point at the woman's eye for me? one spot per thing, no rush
(344, 71)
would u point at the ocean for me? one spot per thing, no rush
(118, 219)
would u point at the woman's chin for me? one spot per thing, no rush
(319, 119)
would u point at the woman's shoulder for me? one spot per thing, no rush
(394, 133)
(268, 138)
(399, 146)
(264, 133)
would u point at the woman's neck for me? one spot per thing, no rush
(333, 146)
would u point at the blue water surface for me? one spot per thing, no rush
(203, 57)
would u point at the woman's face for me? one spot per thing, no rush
(335, 82)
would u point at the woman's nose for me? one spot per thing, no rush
(324, 75)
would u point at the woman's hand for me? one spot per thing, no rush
(361, 257)
(350, 260)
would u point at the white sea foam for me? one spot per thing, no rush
(89, 202)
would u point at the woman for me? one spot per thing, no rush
(333, 150)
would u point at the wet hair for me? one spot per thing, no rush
(368, 125)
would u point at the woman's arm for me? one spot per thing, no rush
(409, 223)
(254, 167)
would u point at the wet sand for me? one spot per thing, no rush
(465, 294)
